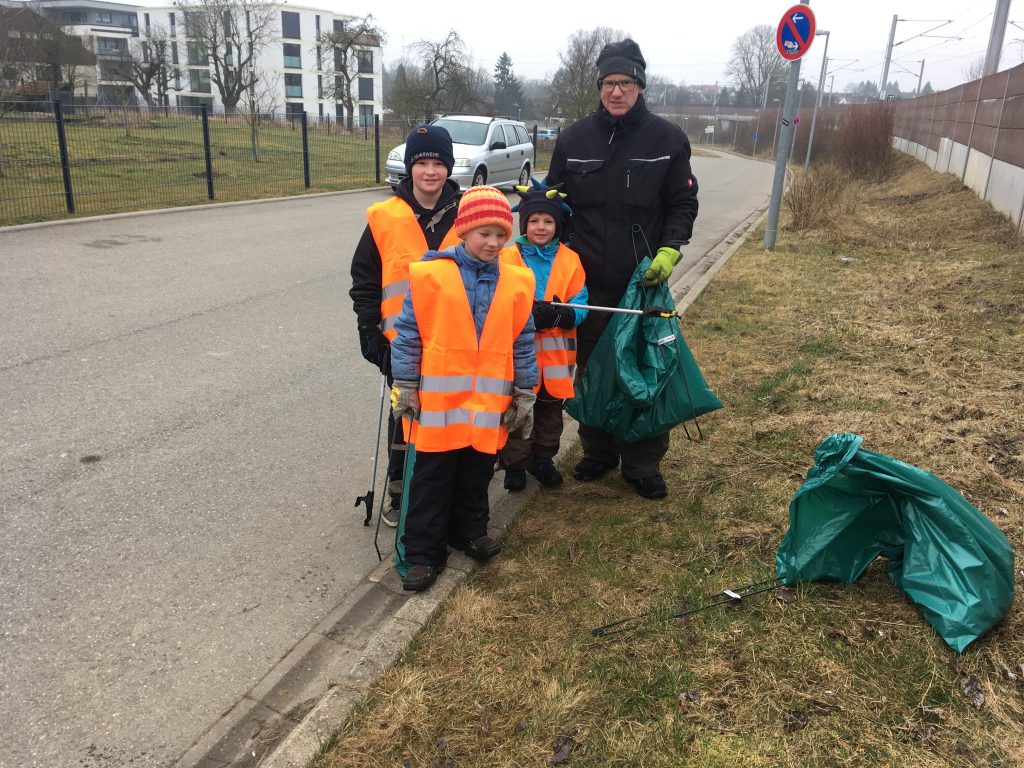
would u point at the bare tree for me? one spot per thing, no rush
(974, 70)
(148, 67)
(259, 104)
(449, 81)
(406, 90)
(230, 35)
(756, 67)
(574, 86)
(353, 42)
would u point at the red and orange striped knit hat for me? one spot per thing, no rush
(481, 206)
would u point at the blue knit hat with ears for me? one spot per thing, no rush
(542, 199)
(429, 142)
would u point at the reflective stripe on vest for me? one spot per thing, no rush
(465, 384)
(400, 241)
(555, 347)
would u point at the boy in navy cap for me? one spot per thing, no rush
(399, 231)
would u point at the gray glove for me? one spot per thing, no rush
(405, 399)
(519, 415)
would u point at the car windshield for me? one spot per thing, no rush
(463, 132)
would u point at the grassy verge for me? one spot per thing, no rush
(901, 322)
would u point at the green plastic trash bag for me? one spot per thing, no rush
(401, 564)
(641, 379)
(949, 559)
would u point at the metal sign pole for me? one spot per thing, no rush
(781, 158)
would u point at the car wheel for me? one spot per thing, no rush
(480, 177)
(524, 176)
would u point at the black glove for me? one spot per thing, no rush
(544, 315)
(565, 317)
(375, 348)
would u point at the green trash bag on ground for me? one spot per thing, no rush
(641, 379)
(949, 559)
(401, 564)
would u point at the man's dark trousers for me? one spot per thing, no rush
(639, 459)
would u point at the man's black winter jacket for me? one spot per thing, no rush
(366, 268)
(621, 173)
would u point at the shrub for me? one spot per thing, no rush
(864, 144)
(814, 199)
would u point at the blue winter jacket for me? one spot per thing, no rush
(479, 278)
(540, 259)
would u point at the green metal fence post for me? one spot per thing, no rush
(65, 162)
(305, 150)
(206, 152)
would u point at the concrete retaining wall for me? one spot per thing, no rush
(975, 132)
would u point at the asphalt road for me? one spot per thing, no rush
(186, 422)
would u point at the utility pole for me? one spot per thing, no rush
(782, 159)
(817, 100)
(995, 37)
(888, 57)
(919, 78)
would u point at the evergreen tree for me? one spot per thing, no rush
(508, 93)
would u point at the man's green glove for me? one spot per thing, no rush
(661, 266)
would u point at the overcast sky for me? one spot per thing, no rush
(692, 41)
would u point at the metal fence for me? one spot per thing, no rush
(60, 160)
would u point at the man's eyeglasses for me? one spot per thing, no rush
(625, 86)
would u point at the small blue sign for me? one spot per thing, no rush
(757, 136)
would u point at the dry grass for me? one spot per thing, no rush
(818, 198)
(901, 323)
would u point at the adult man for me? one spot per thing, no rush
(398, 232)
(627, 174)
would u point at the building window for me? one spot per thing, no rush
(292, 55)
(111, 44)
(320, 87)
(103, 18)
(365, 114)
(319, 58)
(292, 109)
(293, 86)
(290, 25)
(174, 53)
(174, 27)
(145, 16)
(197, 54)
(75, 17)
(339, 25)
(318, 26)
(365, 59)
(199, 81)
(366, 89)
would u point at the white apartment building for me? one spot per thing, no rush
(292, 64)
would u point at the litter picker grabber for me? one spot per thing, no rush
(649, 312)
(368, 498)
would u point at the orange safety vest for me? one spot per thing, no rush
(555, 347)
(465, 385)
(400, 240)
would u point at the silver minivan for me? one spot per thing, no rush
(488, 150)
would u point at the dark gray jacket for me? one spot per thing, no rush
(620, 173)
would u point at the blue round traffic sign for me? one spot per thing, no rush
(796, 32)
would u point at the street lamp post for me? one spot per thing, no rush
(817, 100)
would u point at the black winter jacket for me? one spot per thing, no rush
(622, 172)
(366, 268)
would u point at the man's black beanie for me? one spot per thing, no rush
(429, 141)
(622, 58)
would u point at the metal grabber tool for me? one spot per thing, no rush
(649, 312)
(368, 498)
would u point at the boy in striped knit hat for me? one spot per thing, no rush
(464, 369)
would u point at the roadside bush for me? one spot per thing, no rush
(814, 200)
(864, 144)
